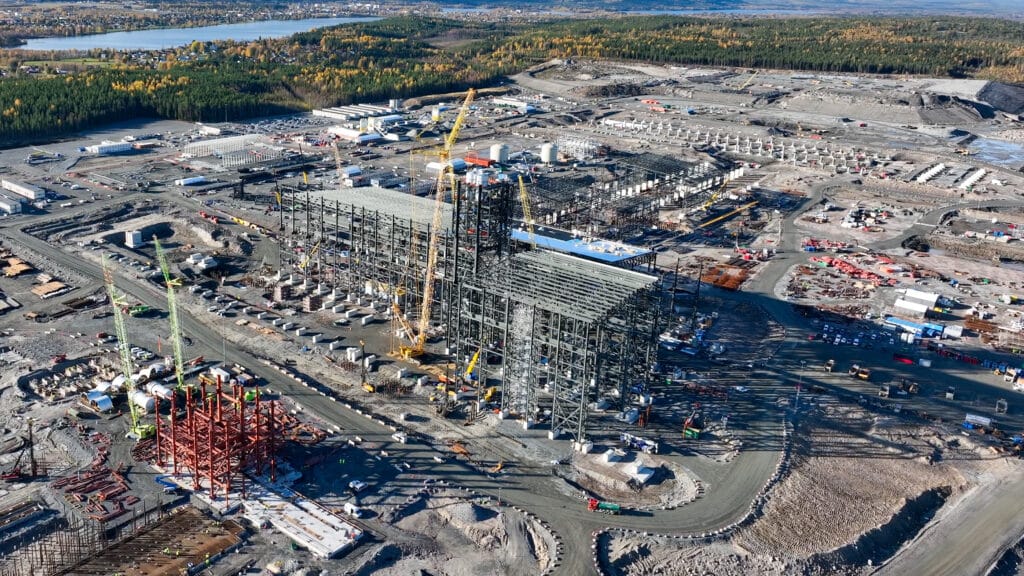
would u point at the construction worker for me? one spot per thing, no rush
(167, 551)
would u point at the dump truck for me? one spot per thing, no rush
(595, 505)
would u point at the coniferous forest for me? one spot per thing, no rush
(410, 56)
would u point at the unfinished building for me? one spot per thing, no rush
(553, 330)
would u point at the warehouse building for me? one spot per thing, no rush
(9, 205)
(27, 191)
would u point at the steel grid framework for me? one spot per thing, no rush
(219, 438)
(578, 328)
(558, 331)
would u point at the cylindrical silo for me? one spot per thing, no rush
(549, 153)
(499, 153)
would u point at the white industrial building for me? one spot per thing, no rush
(910, 308)
(353, 112)
(504, 102)
(107, 147)
(929, 299)
(32, 193)
(9, 205)
(383, 123)
(133, 239)
(354, 135)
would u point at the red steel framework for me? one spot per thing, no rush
(220, 437)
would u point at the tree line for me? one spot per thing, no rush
(411, 56)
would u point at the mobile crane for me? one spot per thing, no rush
(137, 429)
(419, 339)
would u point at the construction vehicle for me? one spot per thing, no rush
(472, 364)
(692, 426)
(139, 310)
(830, 365)
(309, 256)
(460, 449)
(714, 197)
(497, 467)
(16, 473)
(137, 429)
(595, 505)
(864, 374)
(445, 178)
(172, 308)
(490, 393)
(364, 379)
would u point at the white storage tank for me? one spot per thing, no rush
(499, 153)
(142, 400)
(549, 153)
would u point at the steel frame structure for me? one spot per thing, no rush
(220, 437)
(558, 332)
(579, 329)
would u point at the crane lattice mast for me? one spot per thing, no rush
(172, 312)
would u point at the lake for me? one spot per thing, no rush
(173, 37)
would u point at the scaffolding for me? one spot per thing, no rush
(220, 436)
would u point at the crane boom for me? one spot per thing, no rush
(524, 198)
(309, 256)
(116, 303)
(435, 229)
(172, 312)
(749, 80)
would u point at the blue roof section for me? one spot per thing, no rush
(600, 250)
(914, 326)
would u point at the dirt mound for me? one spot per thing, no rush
(447, 533)
(608, 90)
(468, 513)
(882, 542)
(1004, 97)
(848, 478)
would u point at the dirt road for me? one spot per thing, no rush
(967, 537)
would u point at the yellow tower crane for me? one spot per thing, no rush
(137, 429)
(172, 312)
(445, 178)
